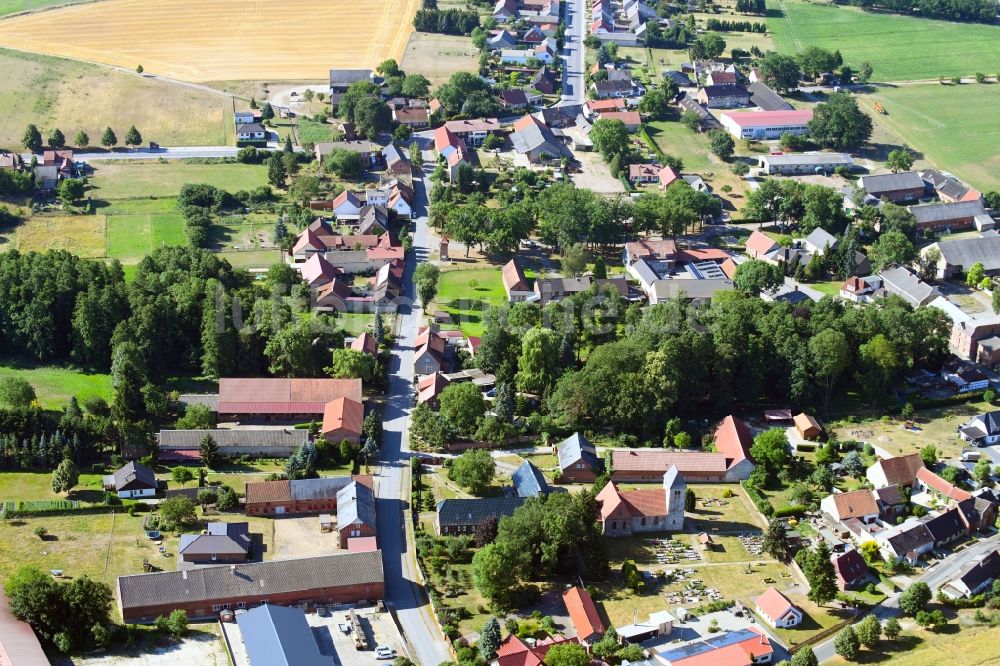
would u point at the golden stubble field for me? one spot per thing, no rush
(221, 40)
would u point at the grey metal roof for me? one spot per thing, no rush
(345, 77)
(577, 447)
(690, 288)
(528, 481)
(392, 155)
(905, 284)
(891, 182)
(767, 99)
(355, 504)
(279, 636)
(535, 137)
(345, 257)
(242, 437)
(967, 251)
(474, 511)
(646, 274)
(250, 580)
(210, 400)
(937, 212)
(322, 488)
(221, 538)
(134, 472)
(821, 238)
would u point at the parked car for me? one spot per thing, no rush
(383, 652)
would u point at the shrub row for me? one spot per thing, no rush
(26, 508)
(759, 500)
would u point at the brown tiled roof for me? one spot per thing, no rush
(183, 588)
(855, 504)
(901, 470)
(850, 566)
(513, 276)
(733, 439)
(343, 414)
(646, 501)
(268, 491)
(658, 461)
(804, 422)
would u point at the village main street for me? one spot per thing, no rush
(395, 531)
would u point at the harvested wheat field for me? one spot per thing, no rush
(222, 39)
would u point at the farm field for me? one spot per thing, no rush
(73, 96)
(139, 179)
(947, 124)
(887, 41)
(8, 7)
(438, 56)
(297, 39)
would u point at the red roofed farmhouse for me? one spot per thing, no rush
(777, 610)
(583, 614)
(281, 399)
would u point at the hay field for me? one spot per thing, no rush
(439, 56)
(221, 40)
(74, 96)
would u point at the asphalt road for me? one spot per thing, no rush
(940, 574)
(403, 589)
(573, 53)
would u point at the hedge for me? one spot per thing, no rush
(972, 396)
(759, 500)
(794, 510)
(25, 508)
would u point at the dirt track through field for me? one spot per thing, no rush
(222, 39)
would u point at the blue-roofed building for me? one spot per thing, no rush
(578, 461)
(528, 481)
(279, 636)
(733, 648)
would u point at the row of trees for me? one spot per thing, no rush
(984, 11)
(446, 21)
(32, 139)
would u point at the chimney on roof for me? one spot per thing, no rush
(232, 569)
(184, 574)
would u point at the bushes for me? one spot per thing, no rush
(758, 500)
(794, 510)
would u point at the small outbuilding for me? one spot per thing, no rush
(807, 427)
(325, 522)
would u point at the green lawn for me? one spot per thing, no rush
(949, 124)
(55, 386)
(38, 486)
(466, 294)
(831, 288)
(898, 47)
(309, 131)
(972, 645)
(16, 6)
(138, 179)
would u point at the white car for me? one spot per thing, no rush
(382, 652)
(345, 628)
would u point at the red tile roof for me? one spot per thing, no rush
(583, 613)
(932, 480)
(513, 277)
(855, 504)
(605, 104)
(640, 502)
(515, 652)
(770, 118)
(636, 460)
(850, 566)
(773, 604)
(631, 118)
(733, 654)
(361, 544)
(733, 439)
(759, 243)
(283, 396)
(365, 343)
(901, 470)
(343, 414)
(668, 176)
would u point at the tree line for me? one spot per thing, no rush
(735, 26)
(446, 21)
(751, 7)
(32, 138)
(984, 11)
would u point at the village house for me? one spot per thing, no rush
(777, 610)
(759, 245)
(533, 139)
(453, 149)
(659, 623)
(513, 99)
(851, 569)
(251, 134)
(474, 131)
(514, 651)
(341, 79)
(981, 430)
(430, 387)
(432, 352)
(583, 614)
(897, 471)
(904, 283)
(857, 504)
(544, 81)
(355, 513)
(807, 427)
(342, 420)
(631, 119)
(369, 152)
(643, 174)
(767, 125)
(131, 481)
(723, 97)
(578, 461)
(204, 592)
(948, 188)
(721, 78)
(221, 543)
(411, 116)
(463, 516)
(624, 513)
(974, 578)
(861, 289)
(909, 542)
(894, 187)
(298, 496)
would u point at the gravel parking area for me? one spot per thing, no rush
(379, 630)
(594, 174)
(301, 537)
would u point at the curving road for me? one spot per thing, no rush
(395, 532)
